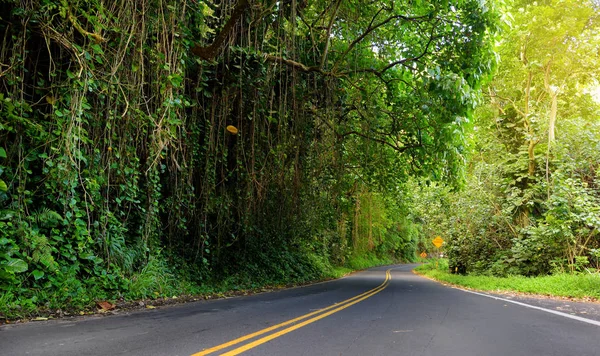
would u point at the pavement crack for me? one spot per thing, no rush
(434, 334)
(445, 316)
(428, 344)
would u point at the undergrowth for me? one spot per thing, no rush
(158, 280)
(583, 285)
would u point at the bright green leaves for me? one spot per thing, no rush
(10, 264)
(531, 203)
(416, 77)
(14, 265)
(37, 274)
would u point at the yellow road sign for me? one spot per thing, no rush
(438, 242)
(423, 254)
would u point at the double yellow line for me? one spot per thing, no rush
(298, 323)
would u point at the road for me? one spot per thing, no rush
(381, 311)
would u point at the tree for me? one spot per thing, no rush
(545, 56)
(522, 218)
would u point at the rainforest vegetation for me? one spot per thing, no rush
(531, 201)
(158, 147)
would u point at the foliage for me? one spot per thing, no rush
(530, 204)
(159, 146)
(560, 285)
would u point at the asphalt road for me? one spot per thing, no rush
(377, 313)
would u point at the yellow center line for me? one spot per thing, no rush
(340, 305)
(268, 338)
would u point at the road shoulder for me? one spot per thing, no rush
(585, 308)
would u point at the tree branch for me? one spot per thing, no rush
(380, 140)
(299, 66)
(98, 38)
(328, 33)
(372, 28)
(380, 72)
(211, 52)
(294, 64)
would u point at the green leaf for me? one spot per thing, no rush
(6, 215)
(37, 274)
(2, 152)
(3, 186)
(16, 265)
(97, 49)
(87, 256)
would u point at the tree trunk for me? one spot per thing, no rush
(552, 118)
(355, 236)
(531, 153)
(553, 93)
(370, 218)
(529, 129)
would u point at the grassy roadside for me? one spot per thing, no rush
(581, 286)
(156, 286)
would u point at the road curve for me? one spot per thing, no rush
(381, 311)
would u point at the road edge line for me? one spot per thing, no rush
(453, 286)
(574, 317)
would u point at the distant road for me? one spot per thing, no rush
(381, 311)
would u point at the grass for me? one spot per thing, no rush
(338, 272)
(560, 285)
(156, 281)
(364, 261)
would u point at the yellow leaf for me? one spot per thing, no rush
(50, 99)
(232, 129)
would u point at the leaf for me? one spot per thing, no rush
(37, 274)
(16, 265)
(2, 152)
(150, 307)
(50, 99)
(105, 305)
(232, 129)
(3, 186)
(97, 49)
(39, 318)
(6, 214)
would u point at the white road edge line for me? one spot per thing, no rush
(575, 317)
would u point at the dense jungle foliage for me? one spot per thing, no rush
(156, 147)
(531, 203)
(159, 146)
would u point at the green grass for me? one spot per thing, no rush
(364, 261)
(338, 272)
(560, 285)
